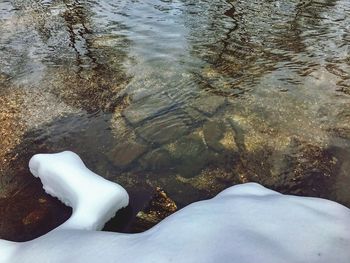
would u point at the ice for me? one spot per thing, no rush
(245, 224)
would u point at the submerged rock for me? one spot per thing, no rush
(189, 154)
(34, 218)
(209, 104)
(157, 159)
(30, 213)
(211, 181)
(159, 208)
(186, 156)
(125, 153)
(218, 136)
(196, 115)
(11, 124)
(163, 129)
(146, 108)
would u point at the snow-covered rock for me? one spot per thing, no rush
(245, 224)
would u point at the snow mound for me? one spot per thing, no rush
(246, 223)
(94, 200)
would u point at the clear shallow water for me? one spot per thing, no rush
(191, 96)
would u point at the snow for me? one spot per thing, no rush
(245, 224)
(94, 200)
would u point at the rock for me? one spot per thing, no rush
(158, 159)
(209, 104)
(29, 213)
(121, 130)
(147, 108)
(341, 132)
(186, 156)
(189, 155)
(142, 94)
(162, 130)
(342, 183)
(218, 136)
(125, 153)
(211, 181)
(35, 217)
(4, 77)
(159, 208)
(195, 115)
(213, 132)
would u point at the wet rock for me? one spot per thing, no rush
(90, 90)
(209, 104)
(4, 77)
(300, 169)
(344, 114)
(189, 155)
(342, 182)
(186, 156)
(159, 208)
(162, 130)
(344, 87)
(120, 129)
(147, 108)
(29, 213)
(211, 181)
(218, 136)
(341, 132)
(11, 125)
(35, 217)
(213, 132)
(142, 94)
(158, 159)
(125, 153)
(195, 115)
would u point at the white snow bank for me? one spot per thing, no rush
(245, 224)
(94, 200)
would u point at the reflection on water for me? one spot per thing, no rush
(189, 96)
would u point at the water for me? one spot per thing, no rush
(190, 96)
